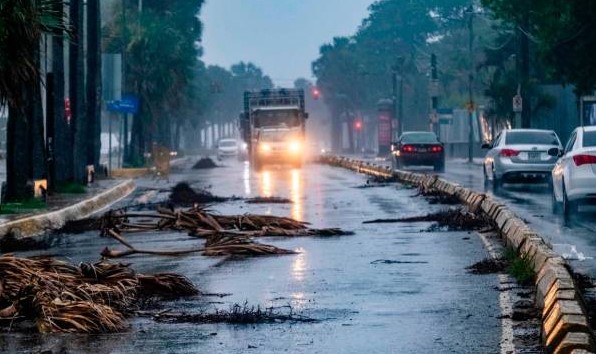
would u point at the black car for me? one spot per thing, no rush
(418, 149)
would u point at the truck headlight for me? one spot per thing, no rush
(264, 147)
(294, 146)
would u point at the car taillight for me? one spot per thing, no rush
(436, 149)
(584, 159)
(509, 153)
(408, 148)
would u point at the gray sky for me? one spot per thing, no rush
(281, 36)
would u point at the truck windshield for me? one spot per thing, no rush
(287, 118)
(276, 135)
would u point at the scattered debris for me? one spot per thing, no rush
(457, 219)
(488, 266)
(224, 234)
(60, 297)
(389, 261)
(183, 195)
(237, 314)
(205, 163)
(268, 200)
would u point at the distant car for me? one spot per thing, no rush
(574, 174)
(227, 148)
(519, 155)
(418, 149)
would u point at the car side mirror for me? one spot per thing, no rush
(486, 146)
(555, 152)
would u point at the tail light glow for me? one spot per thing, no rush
(584, 159)
(408, 148)
(436, 149)
(509, 153)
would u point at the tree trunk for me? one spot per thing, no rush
(18, 155)
(350, 121)
(63, 157)
(37, 146)
(93, 83)
(77, 93)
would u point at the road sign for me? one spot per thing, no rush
(128, 104)
(518, 104)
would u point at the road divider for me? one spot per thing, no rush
(565, 327)
(38, 224)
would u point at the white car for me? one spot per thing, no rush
(227, 148)
(574, 174)
(520, 155)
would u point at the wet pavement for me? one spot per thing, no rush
(390, 288)
(574, 239)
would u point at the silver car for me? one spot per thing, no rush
(518, 155)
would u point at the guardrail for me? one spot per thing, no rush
(565, 327)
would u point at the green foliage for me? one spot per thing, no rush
(520, 267)
(22, 23)
(355, 72)
(162, 59)
(24, 206)
(71, 188)
(562, 32)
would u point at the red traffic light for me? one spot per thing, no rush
(358, 124)
(316, 93)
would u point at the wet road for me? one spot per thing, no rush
(574, 239)
(390, 288)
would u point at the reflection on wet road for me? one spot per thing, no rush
(388, 288)
(574, 239)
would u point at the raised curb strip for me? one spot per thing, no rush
(39, 224)
(565, 327)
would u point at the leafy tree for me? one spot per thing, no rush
(355, 72)
(561, 31)
(22, 23)
(162, 54)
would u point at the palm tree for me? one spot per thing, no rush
(22, 24)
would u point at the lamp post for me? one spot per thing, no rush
(471, 108)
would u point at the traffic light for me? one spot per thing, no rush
(316, 93)
(358, 124)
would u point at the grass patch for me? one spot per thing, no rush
(22, 207)
(520, 267)
(71, 188)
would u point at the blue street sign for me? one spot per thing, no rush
(128, 104)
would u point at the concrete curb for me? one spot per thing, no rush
(38, 224)
(565, 326)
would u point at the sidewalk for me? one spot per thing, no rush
(66, 207)
(60, 201)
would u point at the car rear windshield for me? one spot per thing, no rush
(228, 143)
(538, 138)
(413, 138)
(590, 139)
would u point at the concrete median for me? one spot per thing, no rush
(564, 321)
(38, 224)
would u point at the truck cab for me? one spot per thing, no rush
(273, 126)
(279, 145)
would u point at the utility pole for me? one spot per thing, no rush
(398, 96)
(434, 95)
(395, 120)
(470, 82)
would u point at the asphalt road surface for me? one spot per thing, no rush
(390, 288)
(573, 238)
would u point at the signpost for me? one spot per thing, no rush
(127, 105)
(518, 107)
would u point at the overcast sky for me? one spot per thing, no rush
(281, 36)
